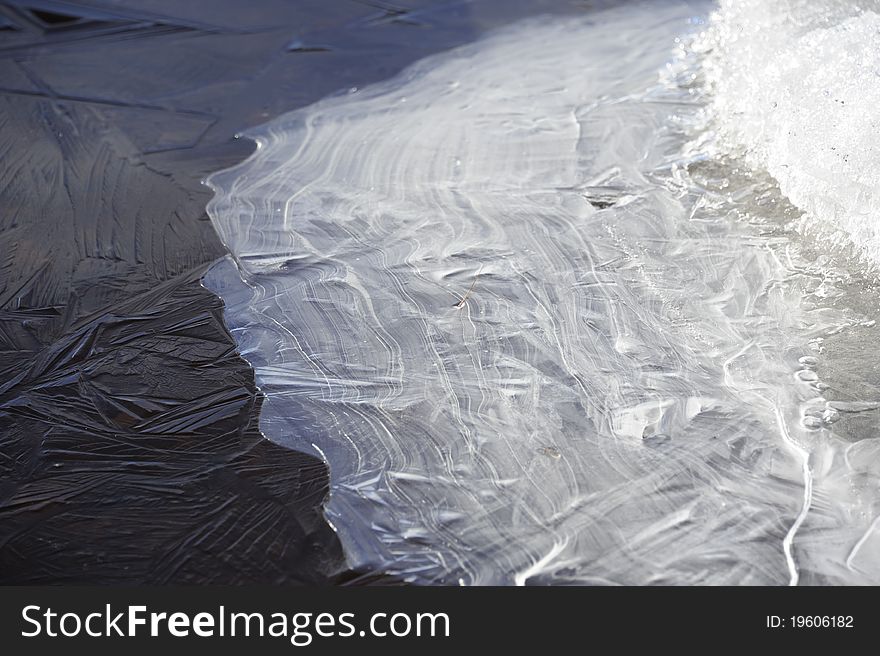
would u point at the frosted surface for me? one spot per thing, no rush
(532, 346)
(796, 86)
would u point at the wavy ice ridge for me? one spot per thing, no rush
(796, 86)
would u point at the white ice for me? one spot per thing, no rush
(531, 346)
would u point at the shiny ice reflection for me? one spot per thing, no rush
(510, 300)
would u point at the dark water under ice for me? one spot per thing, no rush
(128, 422)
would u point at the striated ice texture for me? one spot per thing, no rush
(796, 86)
(531, 345)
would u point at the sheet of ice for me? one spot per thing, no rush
(796, 87)
(530, 344)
